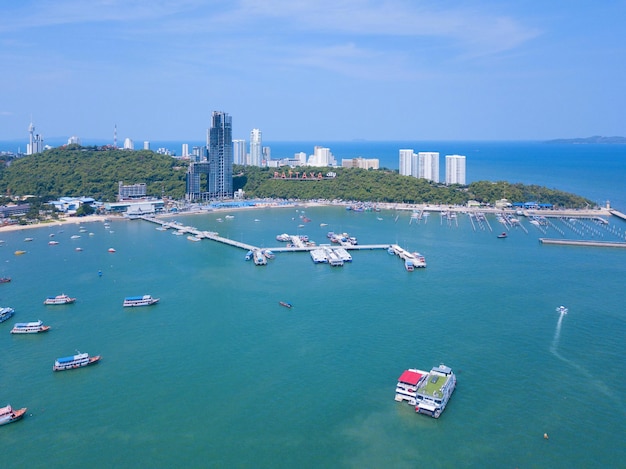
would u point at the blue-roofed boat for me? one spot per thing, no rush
(59, 300)
(145, 300)
(6, 313)
(29, 327)
(249, 255)
(75, 361)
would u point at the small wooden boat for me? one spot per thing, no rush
(5, 279)
(285, 304)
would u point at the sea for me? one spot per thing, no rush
(218, 374)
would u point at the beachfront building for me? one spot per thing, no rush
(455, 169)
(428, 164)
(239, 152)
(220, 144)
(131, 191)
(360, 162)
(35, 141)
(406, 162)
(256, 147)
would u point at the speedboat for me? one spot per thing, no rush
(561, 310)
(285, 304)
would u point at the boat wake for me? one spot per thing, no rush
(601, 386)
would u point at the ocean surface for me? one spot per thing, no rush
(219, 375)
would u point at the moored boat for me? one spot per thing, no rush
(6, 313)
(145, 300)
(59, 300)
(9, 415)
(5, 279)
(429, 391)
(285, 304)
(75, 361)
(19, 252)
(29, 327)
(502, 235)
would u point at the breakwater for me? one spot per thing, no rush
(573, 242)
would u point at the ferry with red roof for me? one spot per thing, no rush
(428, 391)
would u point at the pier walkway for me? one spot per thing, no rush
(573, 242)
(249, 247)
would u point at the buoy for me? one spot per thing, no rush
(545, 436)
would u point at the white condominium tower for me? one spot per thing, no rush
(429, 165)
(256, 148)
(406, 158)
(239, 152)
(455, 169)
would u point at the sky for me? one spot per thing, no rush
(306, 70)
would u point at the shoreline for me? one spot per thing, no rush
(585, 213)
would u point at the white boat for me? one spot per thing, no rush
(75, 361)
(6, 313)
(29, 327)
(74, 236)
(145, 300)
(229, 217)
(429, 391)
(284, 237)
(28, 239)
(53, 243)
(259, 258)
(193, 238)
(9, 415)
(58, 300)
(561, 310)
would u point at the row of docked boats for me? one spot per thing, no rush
(336, 257)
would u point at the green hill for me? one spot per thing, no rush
(95, 172)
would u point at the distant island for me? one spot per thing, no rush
(594, 139)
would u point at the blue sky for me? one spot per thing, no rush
(314, 69)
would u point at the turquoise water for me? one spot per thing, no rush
(219, 375)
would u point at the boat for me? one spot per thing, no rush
(75, 361)
(6, 313)
(284, 237)
(9, 415)
(145, 300)
(19, 252)
(28, 239)
(285, 304)
(29, 327)
(229, 217)
(267, 253)
(249, 255)
(408, 265)
(111, 250)
(193, 238)
(502, 235)
(78, 249)
(74, 236)
(428, 391)
(259, 258)
(561, 310)
(5, 279)
(59, 300)
(53, 243)
(323, 224)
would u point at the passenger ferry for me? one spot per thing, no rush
(429, 392)
(75, 361)
(29, 327)
(9, 415)
(58, 300)
(145, 300)
(259, 258)
(6, 313)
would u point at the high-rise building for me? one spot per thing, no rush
(406, 160)
(35, 141)
(220, 144)
(129, 144)
(256, 147)
(239, 152)
(146, 145)
(322, 157)
(455, 169)
(429, 165)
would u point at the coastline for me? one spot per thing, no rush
(590, 213)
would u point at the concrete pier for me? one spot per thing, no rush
(572, 242)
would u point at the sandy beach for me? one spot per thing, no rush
(60, 222)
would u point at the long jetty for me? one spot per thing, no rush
(249, 247)
(580, 242)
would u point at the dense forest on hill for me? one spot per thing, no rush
(79, 171)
